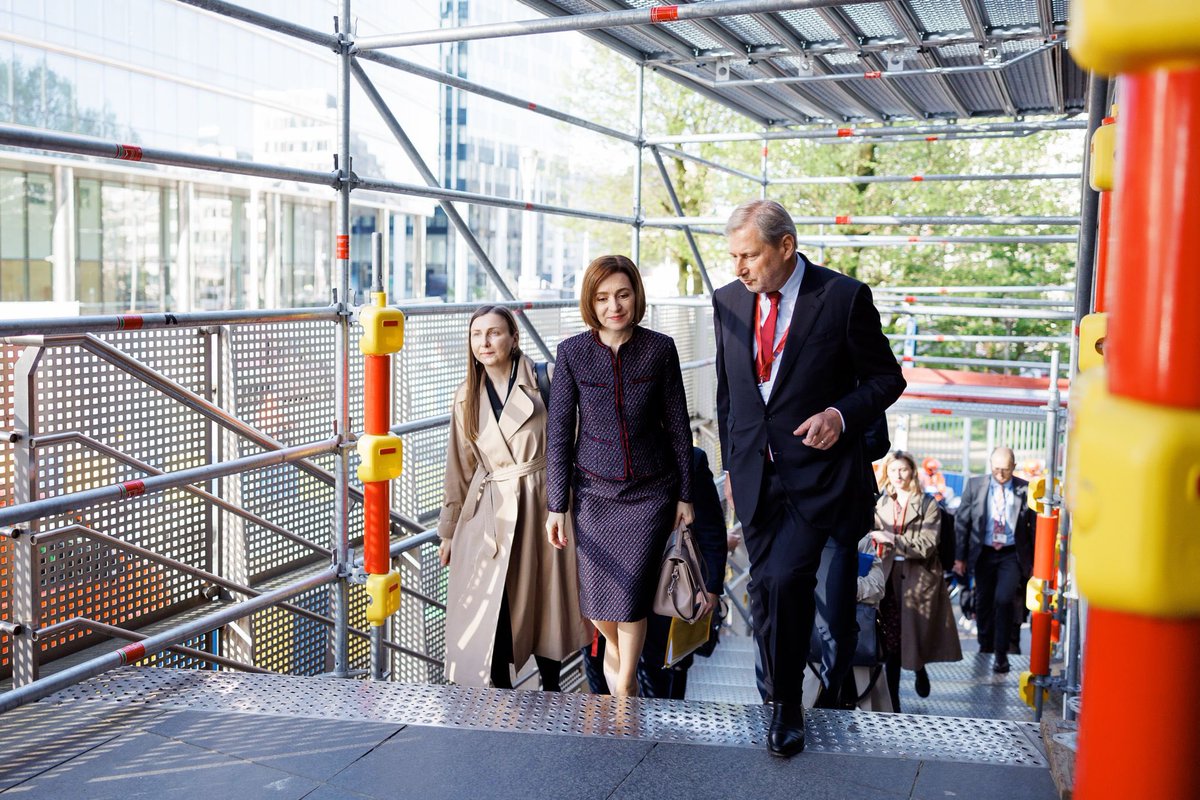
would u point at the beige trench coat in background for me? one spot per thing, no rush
(928, 632)
(494, 513)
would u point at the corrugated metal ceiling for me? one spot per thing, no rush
(1005, 58)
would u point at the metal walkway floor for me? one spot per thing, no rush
(155, 732)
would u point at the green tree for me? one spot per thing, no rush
(703, 191)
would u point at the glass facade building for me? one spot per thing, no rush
(107, 236)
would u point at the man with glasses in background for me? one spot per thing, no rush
(994, 531)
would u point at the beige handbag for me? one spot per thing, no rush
(681, 589)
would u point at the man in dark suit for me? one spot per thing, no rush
(803, 368)
(994, 531)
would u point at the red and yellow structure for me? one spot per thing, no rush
(381, 453)
(1040, 591)
(1134, 483)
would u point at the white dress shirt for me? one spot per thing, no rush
(789, 293)
(787, 304)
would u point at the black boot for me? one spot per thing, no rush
(786, 736)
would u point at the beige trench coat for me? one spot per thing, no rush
(494, 513)
(927, 629)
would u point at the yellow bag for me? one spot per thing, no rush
(686, 638)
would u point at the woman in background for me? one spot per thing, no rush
(909, 521)
(511, 594)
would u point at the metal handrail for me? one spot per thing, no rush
(133, 636)
(75, 501)
(152, 645)
(130, 322)
(79, 438)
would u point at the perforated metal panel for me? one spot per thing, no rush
(283, 384)
(75, 391)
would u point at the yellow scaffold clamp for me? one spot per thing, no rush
(383, 597)
(1036, 498)
(381, 457)
(383, 327)
(1026, 689)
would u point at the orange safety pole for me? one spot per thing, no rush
(1154, 332)
(1133, 742)
(1045, 539)
(377, 391)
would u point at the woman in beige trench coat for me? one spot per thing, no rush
(909, 520)
(511, 594)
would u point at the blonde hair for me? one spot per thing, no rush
(899, 455)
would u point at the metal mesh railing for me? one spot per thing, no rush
(100, 424)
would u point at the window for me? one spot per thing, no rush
(26, 234)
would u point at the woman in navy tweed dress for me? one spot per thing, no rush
(619, 458)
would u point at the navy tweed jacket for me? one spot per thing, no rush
(631, 412)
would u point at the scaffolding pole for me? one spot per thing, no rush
(127, 490)
(587, 22)
(687, 232)
(157, 643)
(1028, 126)
(75, 437)
(940, 338)
(877, 219)
(129, 322)
(994, 313)
(861, 179)
(451, 212)
(889, 296)
(840, 77)
(17, 136)
(976, 289)
(853, 240)
(447, 196)
(685, 156)
(479, 89)
(341, 395)
(638, 154)
(265, 21)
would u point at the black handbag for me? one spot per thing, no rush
(869, 651)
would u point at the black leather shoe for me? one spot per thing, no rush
(922, 683)
(1001, 665)
(786, 736)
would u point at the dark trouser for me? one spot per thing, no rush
(836, 620)
(997, 578)
(785, 552)
(502, 655)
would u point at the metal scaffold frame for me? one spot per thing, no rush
(37, 335)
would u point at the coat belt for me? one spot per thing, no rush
(515, 471)
(497, 476)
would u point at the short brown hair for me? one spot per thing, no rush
(599, 271)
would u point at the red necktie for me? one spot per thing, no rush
(766, 338)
